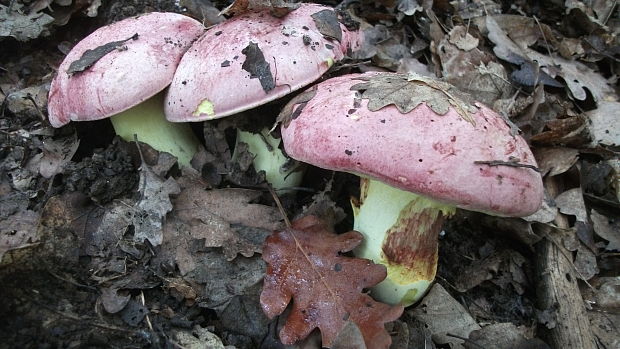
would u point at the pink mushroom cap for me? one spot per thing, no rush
(212, 72)
(135, 71)
(420, 151)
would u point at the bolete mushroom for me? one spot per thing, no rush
(253, 59)
(421, 152)
(118, 71)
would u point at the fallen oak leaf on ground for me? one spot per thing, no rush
(326, 288)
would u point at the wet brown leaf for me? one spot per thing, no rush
(304, 265)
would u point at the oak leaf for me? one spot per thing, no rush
(304, 265)
(407, 92)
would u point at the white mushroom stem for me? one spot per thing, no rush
(148, 122)
(280, 170)
(400, 231)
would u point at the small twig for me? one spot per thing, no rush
(507, 163)
(276, 198)
(570, 261)
(611, 11)
(148, 319)
(74, 283)
(542, 32)
(85, 321)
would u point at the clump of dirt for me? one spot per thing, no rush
(107, 174)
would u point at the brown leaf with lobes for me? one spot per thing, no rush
(304, 265)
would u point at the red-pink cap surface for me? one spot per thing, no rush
(126, 76)
(255, 58)
(420, 151)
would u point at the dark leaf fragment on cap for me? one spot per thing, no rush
(90, 57)
(327, 23)
(295, 106)
(257, 66)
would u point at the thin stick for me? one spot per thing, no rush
(276, 198)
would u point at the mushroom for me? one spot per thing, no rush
(253, 59)
(118, 71)
(416, 166)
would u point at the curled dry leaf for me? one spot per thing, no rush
(304, 266)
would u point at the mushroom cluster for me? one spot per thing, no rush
(237, 65)
(416, 167)
(120, 71)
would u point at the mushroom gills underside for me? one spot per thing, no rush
(400, 231)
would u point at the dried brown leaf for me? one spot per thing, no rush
(16, 23)
(407, 92)
(18, 231)
(304, 265)
(571, 202)
(556, 160)
(576, 76)
(278, 8)
(503, 335)
(604, 126)
(608, 228)
(443, 314)
(150, 211)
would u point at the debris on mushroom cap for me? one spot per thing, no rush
(478, 166)
(119, 66)
(255, 58)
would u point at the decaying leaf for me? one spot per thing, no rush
(304, 266)
(18, 231)
(16, 23)
(571, 202)
(407, 92)
(443, 314)
(471, 69)
(605, 124)
(257, 66)
(91, 56)
(576, 75)
(503, 335)
(278, 8)
(222, 280)
(56, 154)
(150, 210)
(328, 24)
(197, 338)
(553, 161)
(219, 216)
(608, 229)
